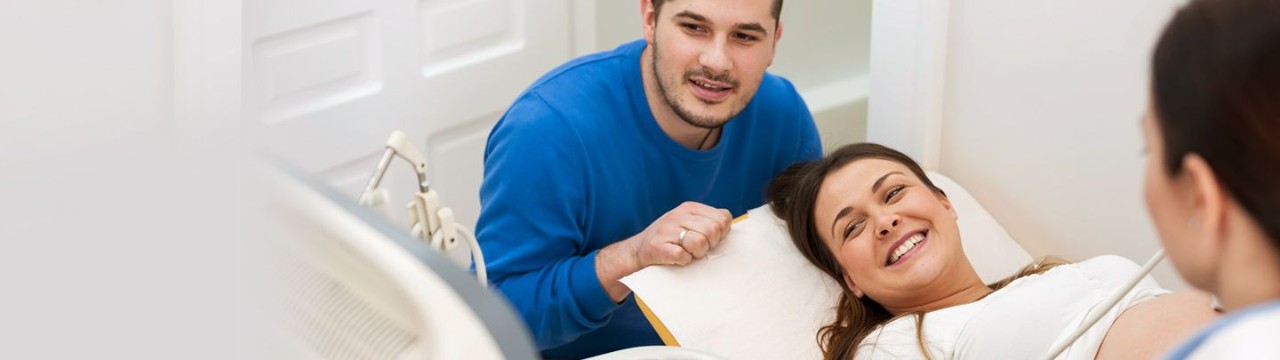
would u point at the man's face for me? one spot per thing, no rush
(709, 56)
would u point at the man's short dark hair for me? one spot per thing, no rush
(776, 12)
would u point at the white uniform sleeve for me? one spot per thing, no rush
(1251, 338)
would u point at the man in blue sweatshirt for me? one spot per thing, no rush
(640, 156)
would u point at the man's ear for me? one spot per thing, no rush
(857, 292)
(1208, 203)
(649, 18)
(777, 35)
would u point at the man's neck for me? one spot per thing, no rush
(671, 124)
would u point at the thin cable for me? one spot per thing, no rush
(705, 137)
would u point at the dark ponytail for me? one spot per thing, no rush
(1216, 93)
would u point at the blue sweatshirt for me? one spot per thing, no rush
(578, 162)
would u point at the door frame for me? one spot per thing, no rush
(207, 73)
(908, 76)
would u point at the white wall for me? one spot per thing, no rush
(66, 64)
(1042, 101)
(824, 52)
(109, 236)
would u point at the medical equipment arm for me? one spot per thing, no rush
(428, 220)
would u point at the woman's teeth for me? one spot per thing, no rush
(905, 247)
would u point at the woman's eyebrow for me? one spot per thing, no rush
(845, 211)
(875, 188)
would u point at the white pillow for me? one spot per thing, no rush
(994, 254)
(756, 297)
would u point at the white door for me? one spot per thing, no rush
(325, 83)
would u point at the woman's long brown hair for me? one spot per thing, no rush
(792, 196)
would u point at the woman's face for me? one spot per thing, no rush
(1170, 203)
(893, 236)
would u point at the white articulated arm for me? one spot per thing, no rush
(428, 219)
(448, 236)
(405, 148)
(424, 218)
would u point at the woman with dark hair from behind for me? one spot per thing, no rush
(1213, 168)
(870, 218)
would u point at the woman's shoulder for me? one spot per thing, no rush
(1100, 263)
(1098, 266)
(1115, 262)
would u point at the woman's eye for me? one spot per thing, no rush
(852, 226)
(893, 193)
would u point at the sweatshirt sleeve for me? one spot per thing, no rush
(810, 145)
(533, 211)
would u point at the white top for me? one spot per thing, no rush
(1020, 321)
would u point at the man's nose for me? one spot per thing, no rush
(716, 58)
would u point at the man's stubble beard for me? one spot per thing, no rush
(675, 104)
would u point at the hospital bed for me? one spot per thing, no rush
(343, 283)
(354, 286)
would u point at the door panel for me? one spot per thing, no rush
(325, 83)
(317, 67)
(459, 150)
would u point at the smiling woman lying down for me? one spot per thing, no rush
(869, 218)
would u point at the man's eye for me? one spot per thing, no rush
(745, 37)
(692, 27)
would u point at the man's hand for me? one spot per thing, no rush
(703, 228)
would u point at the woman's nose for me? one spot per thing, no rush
(887, 223)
